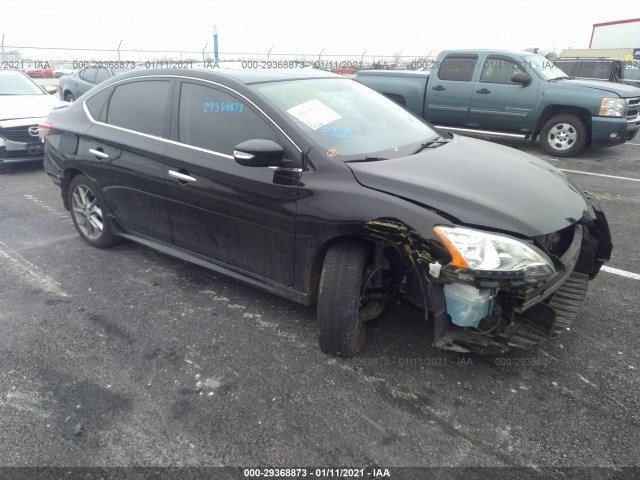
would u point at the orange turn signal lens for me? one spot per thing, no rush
(456, 257)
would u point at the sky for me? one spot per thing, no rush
(336, 27)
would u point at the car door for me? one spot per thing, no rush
(497, 103)
(125, 148)
(449, 90)
(241, 216)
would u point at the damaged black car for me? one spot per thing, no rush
(316, 188)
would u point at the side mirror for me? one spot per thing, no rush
(50, 89)
(258, 153)
(521, 78)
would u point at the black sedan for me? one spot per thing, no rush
(81, 81)
(316, 188)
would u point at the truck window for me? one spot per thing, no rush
(568, 66)
(458, 68)
(498, 70)
(595, 69)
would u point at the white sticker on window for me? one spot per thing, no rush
(314, 113)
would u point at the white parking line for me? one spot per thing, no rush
(601, 175)
(622, 273)
(629, 143)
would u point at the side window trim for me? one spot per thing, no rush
(175, 91)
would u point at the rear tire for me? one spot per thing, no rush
(563, 136)
(68, 97)
(341, 331)
(88, 213)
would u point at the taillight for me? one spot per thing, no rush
(43, 130)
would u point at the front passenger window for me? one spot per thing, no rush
(498, 70)
(212, 119)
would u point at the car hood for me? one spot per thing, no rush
(621, 89)
(14, 107)
(481, 184)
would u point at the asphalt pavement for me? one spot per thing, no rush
(124, 356)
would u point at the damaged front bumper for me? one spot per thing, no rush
(523, 313)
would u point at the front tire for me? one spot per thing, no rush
(563, 136)
(88, 213)
(340, 327)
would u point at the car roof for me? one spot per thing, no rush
(244, 76)
(476, 51)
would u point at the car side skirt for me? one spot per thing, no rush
(260, 282)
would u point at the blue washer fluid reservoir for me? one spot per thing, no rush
(467, 305)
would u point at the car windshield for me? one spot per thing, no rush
(347, 119)
(631, 71)
(13, 82)
(545, 68)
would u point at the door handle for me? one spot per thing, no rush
(182, 177)
(438, 87)
(484, 90)
(98, 153)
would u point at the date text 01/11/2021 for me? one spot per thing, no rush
(370, 473)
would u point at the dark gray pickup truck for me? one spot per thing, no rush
(514, 94)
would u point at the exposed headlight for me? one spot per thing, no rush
(478, 250)
(613, 107)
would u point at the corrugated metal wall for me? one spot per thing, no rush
(620, 53)
(619, 35)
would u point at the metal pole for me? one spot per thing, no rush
(119, 49)
(320, 54)
(270, 50)
(362, 58)
(203, 50)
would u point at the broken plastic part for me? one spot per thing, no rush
(434, 269)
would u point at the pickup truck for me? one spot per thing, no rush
(497, 93)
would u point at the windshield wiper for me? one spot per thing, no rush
(562, 78)
(367, 159)
(436, 142)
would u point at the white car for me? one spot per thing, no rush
(66, 69)
(23, 105)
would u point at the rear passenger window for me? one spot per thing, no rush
(458, 67)
(102, 75)
(95, 103)
(88, 74)
(212, 119)
(140, 106)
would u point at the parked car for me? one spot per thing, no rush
(516, 95)
(65, 69)
(23, 104)
(609, 69)
(81, 81)
(40, 72)
(316, 188)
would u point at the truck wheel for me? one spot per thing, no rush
(563, 135)
(340, 327)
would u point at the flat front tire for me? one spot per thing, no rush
(563, 135)
(340, 328)
(88, 213)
